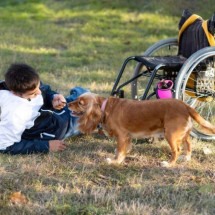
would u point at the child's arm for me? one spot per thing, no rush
(58, 101)
(51, 98)
(56, 145)
(35, 146)
(48, 95)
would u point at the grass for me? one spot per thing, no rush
(84, 43)
(78, 181)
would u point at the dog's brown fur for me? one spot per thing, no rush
(125, 119)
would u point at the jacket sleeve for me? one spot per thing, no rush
(47, 94)
(28, 147)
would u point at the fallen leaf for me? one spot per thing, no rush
(18, 198)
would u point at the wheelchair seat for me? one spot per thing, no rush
(171, 62)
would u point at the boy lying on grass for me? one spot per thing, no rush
(33, 118)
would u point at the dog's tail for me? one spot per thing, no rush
(200, 120)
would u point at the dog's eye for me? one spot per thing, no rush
(81, 102)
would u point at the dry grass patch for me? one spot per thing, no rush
(78, 181)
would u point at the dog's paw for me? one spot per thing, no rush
(165, 164)
(109, 160)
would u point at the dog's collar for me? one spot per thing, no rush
(104, 105)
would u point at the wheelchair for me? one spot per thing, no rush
(187, 61)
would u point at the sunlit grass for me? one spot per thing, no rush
(92, 38)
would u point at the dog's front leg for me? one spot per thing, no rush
(123, 145)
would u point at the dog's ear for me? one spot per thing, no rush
(92, 117)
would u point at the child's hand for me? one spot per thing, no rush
(56, 145)
(58, 101)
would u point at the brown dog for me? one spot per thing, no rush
(125, 119)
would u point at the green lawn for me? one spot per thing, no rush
(84, 43)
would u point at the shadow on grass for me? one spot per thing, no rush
(148, 190)
(78, 181)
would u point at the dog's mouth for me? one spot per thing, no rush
(76, 114)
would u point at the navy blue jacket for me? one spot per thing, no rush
(53, 123)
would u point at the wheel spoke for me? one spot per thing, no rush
(199, 92)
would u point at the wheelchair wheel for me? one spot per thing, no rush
(167, 47)
(195, 85)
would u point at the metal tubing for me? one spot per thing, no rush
(120, 74)
(151, 80)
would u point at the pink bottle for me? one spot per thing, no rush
(164, 89)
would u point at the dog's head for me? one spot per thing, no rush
(88, 108)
